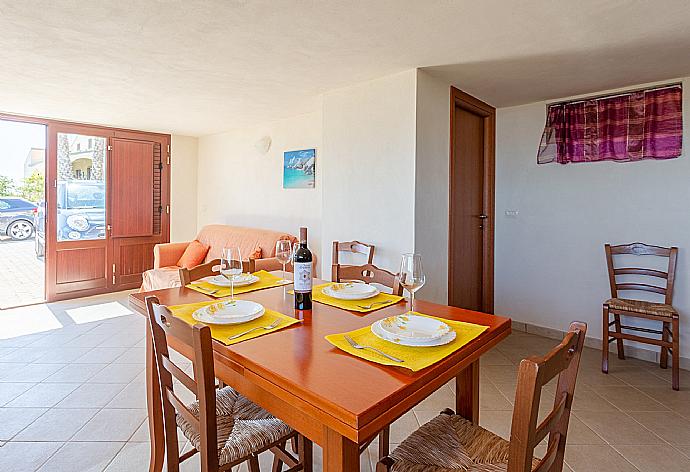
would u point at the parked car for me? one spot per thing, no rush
(80, 213)
(17, 217)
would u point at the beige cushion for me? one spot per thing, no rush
(450, 443)
(640, 306)
(247, 239)
(243, 427)
(158, 279)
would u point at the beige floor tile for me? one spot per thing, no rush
(75, 373)
(91, 395)
(56, 425)
(403, 427)
(32, 372)
(670, 426)
(43, 395)
(90, 457)
(63, 355)
(13, 420)
(101, 355)
(655, 458)
(9, 391)
(491, 398)
(581, 434)
(133, 355)
(617, 428)
(637, 376)
(586, 399)
(499, 373)
(495, 357)
(124, 339)
(118, 373)
(25, 456)
(89, 340)
(132, 457)
(111, 425)
(25, 354)
(596, 458)
(498, 422)
(442, 398)
(596, 379)
(630, 399)
(678, 401)
(132, 396)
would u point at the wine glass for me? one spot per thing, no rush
(231, 266)
(284, 252)
(412, 276)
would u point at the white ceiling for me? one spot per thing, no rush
(200, 67)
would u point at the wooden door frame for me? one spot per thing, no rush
(467, 102)
(51, 175)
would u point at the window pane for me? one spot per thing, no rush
(80, 187)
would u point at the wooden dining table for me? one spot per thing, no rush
(337, 400)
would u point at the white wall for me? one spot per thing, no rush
(431, 183)
(239, 185)
(550, 266)
(368, 174)
(183, 188)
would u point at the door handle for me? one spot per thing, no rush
(482, 217)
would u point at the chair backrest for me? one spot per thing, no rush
(563, 361)
(162, 324)
(368, 273)
(354, 247)
(641, 249)
(210, 268)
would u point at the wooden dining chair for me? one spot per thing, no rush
(451, 442)
(211, 268)
(368, 273)
(663, 312)
(354, 247)
(225, 427)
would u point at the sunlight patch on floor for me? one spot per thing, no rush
(27, 320)
(98, 312)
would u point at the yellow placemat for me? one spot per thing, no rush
(266, 280)
(223, 332)
(381, 300)
(415, 358)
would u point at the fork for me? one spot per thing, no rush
(205, 290)
(275, 324)
(371, 305)
(354, 344)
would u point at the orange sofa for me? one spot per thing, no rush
(165, 272)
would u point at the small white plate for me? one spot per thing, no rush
(351, 291)
(445, 339)
(240, 280)
(414, 327)
(229, 312)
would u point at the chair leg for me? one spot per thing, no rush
(605, 341)
(676, 354)
(663, 358)
(619, 341)
(253, 463)
(277, 463)
(384, 442)
(305, 451)
(384, 465)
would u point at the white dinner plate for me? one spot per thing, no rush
(414, 327)
(240, 280)
(445, 339)
(229, 312)
(351, 291)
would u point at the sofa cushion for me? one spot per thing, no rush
(247, 239)
(193, 255)
(158, 279)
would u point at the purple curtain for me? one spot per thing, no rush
(644, 124)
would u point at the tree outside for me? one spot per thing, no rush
(32, 188)
(6, 186)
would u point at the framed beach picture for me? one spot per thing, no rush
(299, 169)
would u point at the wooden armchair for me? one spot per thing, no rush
(354, 247)
(226, 428)
(451, 442)
(663, 312)
(210, 268)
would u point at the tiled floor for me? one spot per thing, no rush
(21, 273)
(72, 398)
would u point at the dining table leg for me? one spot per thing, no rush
(467, 392)
(154, 407)
(339, 453)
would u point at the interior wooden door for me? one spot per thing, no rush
(471, 209)
(139, 211)
(77, 245)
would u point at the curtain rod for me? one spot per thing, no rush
(616, 94)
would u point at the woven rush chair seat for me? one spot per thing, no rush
(243, 427)
(451, 443)
(640, 306)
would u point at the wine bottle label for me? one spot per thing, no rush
(303, 276)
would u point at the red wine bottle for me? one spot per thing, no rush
(303, 273)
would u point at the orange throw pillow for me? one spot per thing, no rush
(193, 255)
(257, 254)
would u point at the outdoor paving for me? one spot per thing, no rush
(21, 273)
